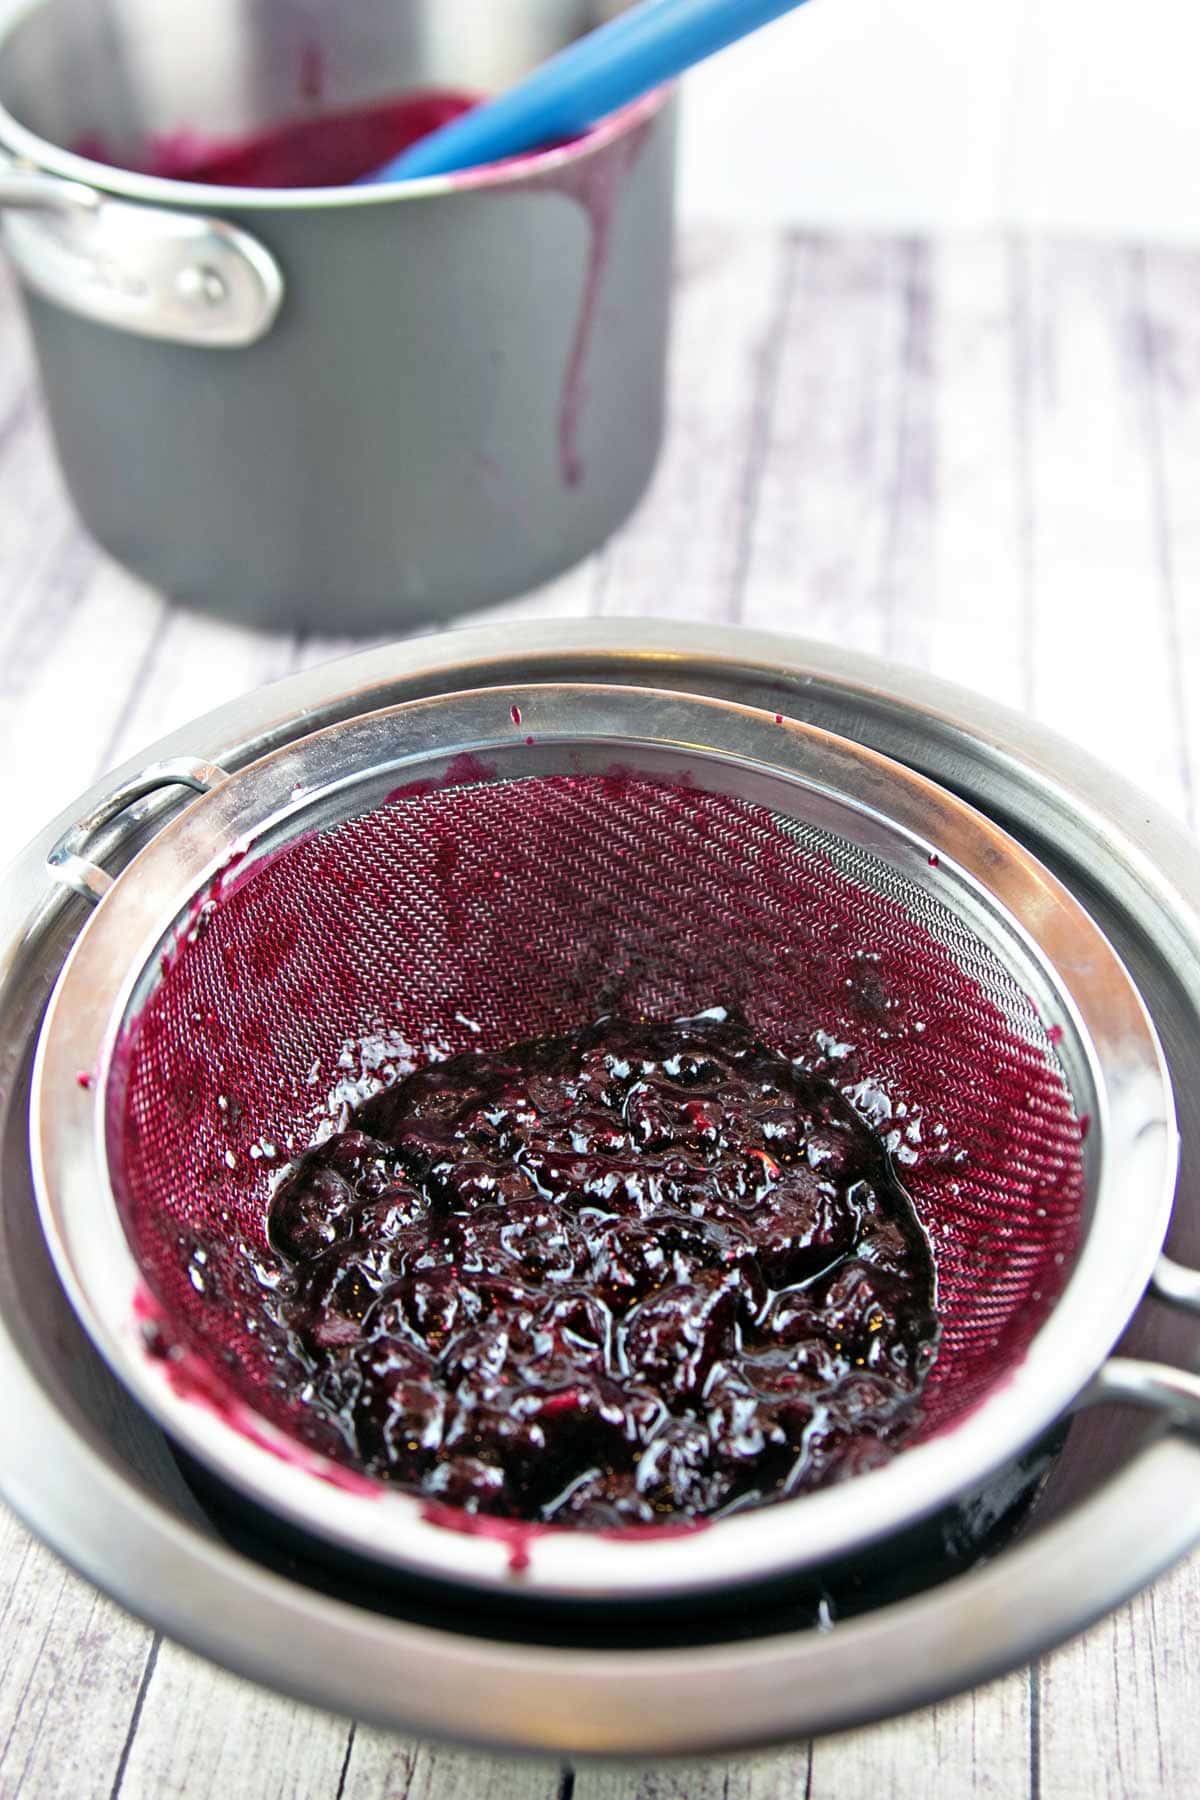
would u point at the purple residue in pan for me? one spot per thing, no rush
(336, 149)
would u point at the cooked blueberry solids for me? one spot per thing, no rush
(642, 1273)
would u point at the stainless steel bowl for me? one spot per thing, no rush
(83, 1466)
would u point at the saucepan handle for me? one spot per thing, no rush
(149, 270)
(31, 190)
(69, 861)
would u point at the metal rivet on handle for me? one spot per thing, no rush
(201, 285)
(155, 272)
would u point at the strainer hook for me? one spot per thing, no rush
(69, 862)
(1173, 1393)
(1176, 1285)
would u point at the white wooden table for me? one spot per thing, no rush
(979, 456)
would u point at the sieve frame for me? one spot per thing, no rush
(1119, 1063)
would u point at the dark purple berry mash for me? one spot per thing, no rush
(640, 1274)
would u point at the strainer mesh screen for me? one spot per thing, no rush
(474, 916)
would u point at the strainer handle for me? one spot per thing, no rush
(1176, 1284)
(1173, 1393)
(69, 861)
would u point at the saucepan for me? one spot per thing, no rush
(342, 408)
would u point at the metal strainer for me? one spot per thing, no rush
(475, 868)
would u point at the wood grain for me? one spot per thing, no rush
(825, 545)
(1170, 282)
(1102, 655)
(681, 554)
(70, 1665)
(203, 1733)
(980, 455)
(1119, 1706)
(983, 1737)
(380, 1767)
(969, 617)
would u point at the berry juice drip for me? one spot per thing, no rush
(644, 1273)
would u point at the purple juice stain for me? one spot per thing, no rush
(312, 71)
(633, 1275)
(514, 713)
(594, 183)
(464, 770)
(337, 149)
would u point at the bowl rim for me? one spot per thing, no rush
(117, 1522)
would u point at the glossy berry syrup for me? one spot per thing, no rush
(316, 150)
(641, 1274)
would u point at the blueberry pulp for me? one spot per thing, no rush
(642, 1273)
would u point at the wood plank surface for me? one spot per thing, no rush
(838, 453)
(1171, 343)
(979, 455)
(681, 555)
(70, 1669)
(969, 618)
(1102, 654)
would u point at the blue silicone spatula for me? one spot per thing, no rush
(618, 62)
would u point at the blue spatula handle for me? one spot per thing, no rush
(616, 63)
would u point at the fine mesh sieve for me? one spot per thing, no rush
(464, 872)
